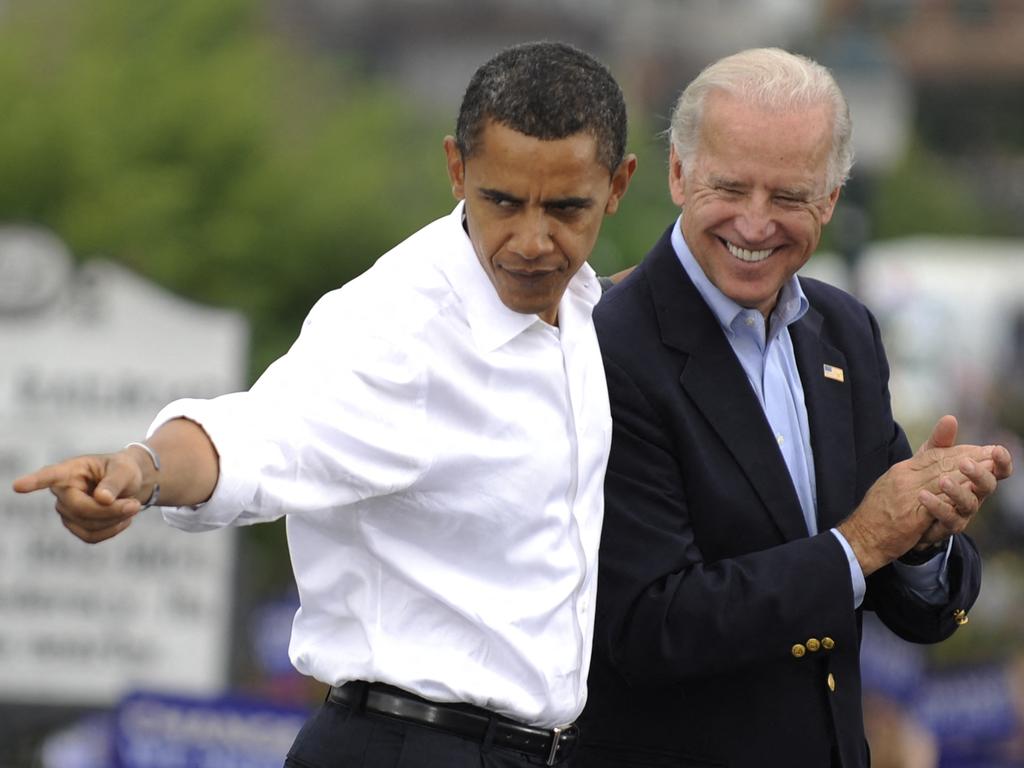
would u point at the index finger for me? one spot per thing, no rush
(100, 475)
(47, 477)
(1002, 460)
(982, 476)
(948, 458)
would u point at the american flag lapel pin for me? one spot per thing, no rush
(833, 372)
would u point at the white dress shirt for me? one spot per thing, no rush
(440, 459)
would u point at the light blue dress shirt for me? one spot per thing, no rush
(767, 357)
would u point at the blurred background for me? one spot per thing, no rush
(180, 181)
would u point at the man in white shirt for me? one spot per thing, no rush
(437, 437)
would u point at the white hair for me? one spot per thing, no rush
(773, 79)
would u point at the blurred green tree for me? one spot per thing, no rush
(189, 142)
(925, 194)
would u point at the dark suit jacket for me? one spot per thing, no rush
(709, 580)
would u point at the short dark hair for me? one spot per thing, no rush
(547, 90)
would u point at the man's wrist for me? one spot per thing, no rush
(154, 496)
(867, 557)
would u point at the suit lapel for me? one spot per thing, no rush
(830, 417)
(715, 382)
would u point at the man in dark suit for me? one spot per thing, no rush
(759, 490)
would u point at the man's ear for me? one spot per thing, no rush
(676, 179)
(620, 183)
(456, 167)
(830, 206)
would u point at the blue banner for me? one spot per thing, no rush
(161, 731)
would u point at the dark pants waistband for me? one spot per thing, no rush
(553, 745)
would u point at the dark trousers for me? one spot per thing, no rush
(337, 736)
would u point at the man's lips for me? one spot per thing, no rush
(528, 274)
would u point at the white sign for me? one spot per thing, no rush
(89, 356)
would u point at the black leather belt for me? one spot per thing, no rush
(553, 745)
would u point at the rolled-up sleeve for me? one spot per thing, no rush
(338, 419)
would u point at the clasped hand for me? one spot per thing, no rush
(925, 499)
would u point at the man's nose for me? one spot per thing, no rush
(756, 222)
(533, 236)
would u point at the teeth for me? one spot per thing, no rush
(744, 255)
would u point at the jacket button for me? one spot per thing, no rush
(813, 644)
(798, 650)
(831, 682)
(960, 617)
(828, 643)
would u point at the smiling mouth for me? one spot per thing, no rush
(743, 254)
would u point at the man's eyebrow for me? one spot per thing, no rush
(799, 193)
(723, 181)
(497, 194)
(569, 202)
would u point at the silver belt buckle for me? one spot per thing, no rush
(556, 737)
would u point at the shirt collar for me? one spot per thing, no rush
(491, 322)
(791, 306)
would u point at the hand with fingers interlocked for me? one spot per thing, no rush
(925, 499)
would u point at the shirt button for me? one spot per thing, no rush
(780, 439)
(749, 321)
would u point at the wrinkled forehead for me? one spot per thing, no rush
(793, 139)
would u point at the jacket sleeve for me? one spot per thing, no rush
(917, 621)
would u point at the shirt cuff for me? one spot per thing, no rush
(233, 490)
(930, 580)
(860, 587)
